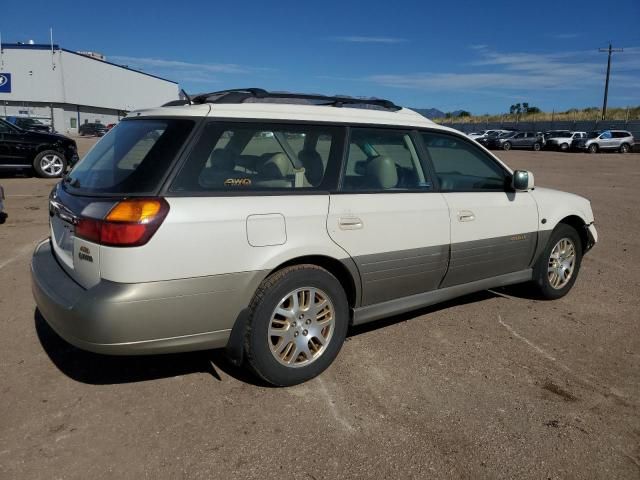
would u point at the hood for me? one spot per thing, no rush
(47, 137)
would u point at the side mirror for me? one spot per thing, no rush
(522, 180)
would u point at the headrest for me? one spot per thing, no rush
(278, 166)
(382, 173)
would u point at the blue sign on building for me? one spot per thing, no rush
(5, 82)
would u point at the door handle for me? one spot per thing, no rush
(466, 216)
(350, 223)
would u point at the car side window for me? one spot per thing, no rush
(383, 160)
(461, 166)
(260, 157)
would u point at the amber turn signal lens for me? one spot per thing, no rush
(135, 211)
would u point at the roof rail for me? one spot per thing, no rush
(239, 95)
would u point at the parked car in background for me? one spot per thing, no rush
(187, 228)
(27, 123)
(95, 129)
(48, 154)
(564, 140)
(110, 126)
(607, 140)
(507, 141)
(485, 133)
(488, 139)
(555, 133)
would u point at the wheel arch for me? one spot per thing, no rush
(344, 270)
(579, 224)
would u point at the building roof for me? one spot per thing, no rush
(55, 46)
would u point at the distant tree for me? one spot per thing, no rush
(448, 115)
(464, 113)
(525, 108)
(517, 108)
(533, 110)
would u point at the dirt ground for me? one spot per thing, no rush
(493, 385)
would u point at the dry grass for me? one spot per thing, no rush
(592, 113)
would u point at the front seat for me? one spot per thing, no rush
(381, 173)
(313, 166)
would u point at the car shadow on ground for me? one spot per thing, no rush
(96, 369)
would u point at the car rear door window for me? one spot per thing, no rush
(383, 160)
(461, 166)
(246, 157)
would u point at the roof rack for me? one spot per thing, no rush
(240, 95)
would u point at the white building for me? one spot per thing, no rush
(66, 89)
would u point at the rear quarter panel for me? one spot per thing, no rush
(204, 236)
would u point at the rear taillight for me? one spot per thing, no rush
(130, 223)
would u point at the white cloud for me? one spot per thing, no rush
(362, 39)
(159, 63)
(524, 72)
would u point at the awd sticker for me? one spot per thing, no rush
(237, 182)
(85, 254)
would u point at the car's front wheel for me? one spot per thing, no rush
(624, 148)
(50, 164)
(298, 321)
(564, 147)
(506, 146)
(557, 268)
(537, 147)
(593, 148)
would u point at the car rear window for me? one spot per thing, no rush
(131, 159)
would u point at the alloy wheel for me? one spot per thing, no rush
(301, 327)
(52, 165)
(561, 263)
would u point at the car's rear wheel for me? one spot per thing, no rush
(298, 321)
(506, 146)
(537, 147)
(593, 148)
(625, 148)
(557, 268)
(564, 147)
(50, 164)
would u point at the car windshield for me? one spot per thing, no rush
(593, 134)
(507, 134)
(31, 121)
(131, 159)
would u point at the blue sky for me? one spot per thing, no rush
(478, 56)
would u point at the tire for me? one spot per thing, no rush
(50, 164)
(506, 146)
(272, 357)
(625, 148)
(537, 147)
(593, 148)
(552, 284)
(564, 147)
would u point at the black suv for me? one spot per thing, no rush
(96, 129)
(48, 154)
(27, 123)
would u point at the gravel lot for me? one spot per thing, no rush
(493, 385)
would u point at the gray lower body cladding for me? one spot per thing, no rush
(490, 257)
(143, 318)
(390, 275)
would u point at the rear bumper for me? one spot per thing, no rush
(139, 319)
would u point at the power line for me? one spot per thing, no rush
(609, 50)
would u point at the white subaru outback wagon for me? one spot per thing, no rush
(268, 223)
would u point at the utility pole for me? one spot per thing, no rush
(610, 50)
